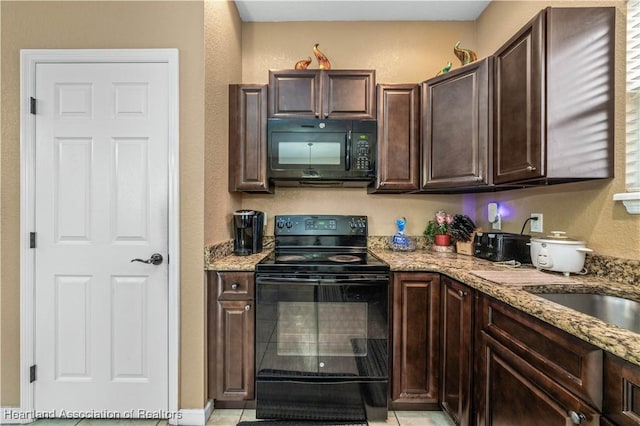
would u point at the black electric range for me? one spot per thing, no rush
(322, 322)
(321, 243)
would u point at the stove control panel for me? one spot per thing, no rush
(320, 225)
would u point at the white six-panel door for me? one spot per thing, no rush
(101, 185)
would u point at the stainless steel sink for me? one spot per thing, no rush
(624, 313)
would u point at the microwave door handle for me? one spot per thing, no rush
(348, 149)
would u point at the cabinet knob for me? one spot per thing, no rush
(247, 308)
(234, 286)
(577, 418)
(462, 293)
(531, 169)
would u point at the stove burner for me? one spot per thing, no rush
(290, 258)
(344, 258)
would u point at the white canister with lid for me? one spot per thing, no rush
(559, 253)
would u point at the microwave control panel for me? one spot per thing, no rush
(362, 151)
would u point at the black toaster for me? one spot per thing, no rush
(502, 247)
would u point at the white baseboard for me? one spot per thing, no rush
(193, 417)
(15, 415)
(190, 417)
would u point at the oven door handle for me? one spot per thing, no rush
(377, 279)
(356, 281)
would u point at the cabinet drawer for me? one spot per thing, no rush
(235, 285)
(573, 363)
(512, 392)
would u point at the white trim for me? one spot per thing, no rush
(631, 201)
(28, 60)
(195, 417)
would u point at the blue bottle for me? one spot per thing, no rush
(399, 241)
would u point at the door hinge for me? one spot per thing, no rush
(32, 374)
(32, 240)
(32, 106)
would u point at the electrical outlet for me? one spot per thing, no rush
(493, 214)
(536, 225)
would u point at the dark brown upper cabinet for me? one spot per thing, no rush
(456, 128)
(346, 94)
(398, 138)
(248, 138)
(554, 97)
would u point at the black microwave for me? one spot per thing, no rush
(315, 152)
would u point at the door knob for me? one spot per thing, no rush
(155, 259)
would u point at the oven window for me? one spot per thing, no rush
(309, 153)
(322, 329)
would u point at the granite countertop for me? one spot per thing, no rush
(618, 341)
(237, 263)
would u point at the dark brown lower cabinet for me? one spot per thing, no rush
(621, 404)
(456, 350)
(414, 359)
(512, 392)
(231, 338)
(483, 361)
(531, 373)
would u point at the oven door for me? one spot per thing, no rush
(322, 327)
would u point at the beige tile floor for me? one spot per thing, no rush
(232, 417)
(395, 418)
(98, 422)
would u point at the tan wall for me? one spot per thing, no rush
(223, 45)
(400, 52)
(412, 52)
(585, 210)
(160, 24)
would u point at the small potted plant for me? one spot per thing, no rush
(437, 231)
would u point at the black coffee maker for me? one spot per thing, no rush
(247, 230)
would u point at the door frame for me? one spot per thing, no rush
(29, 58)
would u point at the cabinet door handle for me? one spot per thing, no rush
(462, 293)
(247, 308)
(531, 169)
(234, 286)
(576, 418)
